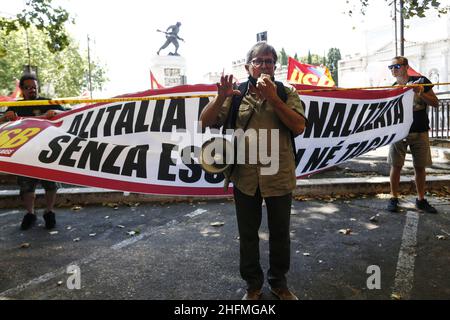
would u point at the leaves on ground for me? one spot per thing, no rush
(217, 224)
(345, 231)
(396, 296)
(133, 204)
(113, 205)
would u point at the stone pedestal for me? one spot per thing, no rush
(169, 71)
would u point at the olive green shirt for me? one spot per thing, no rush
(260, 114)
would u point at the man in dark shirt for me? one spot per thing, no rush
(30, 91)
(417, 139)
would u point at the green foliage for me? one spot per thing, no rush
(44, 17)
(311, 58)
(65, 71)
(334, 55)
(411, 8)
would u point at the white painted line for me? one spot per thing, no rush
(94, 256)
(404, 276)
(132, 240)
(9, 213)
(195, 213)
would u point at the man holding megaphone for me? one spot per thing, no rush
(263, 105)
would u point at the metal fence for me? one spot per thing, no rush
(439, 117)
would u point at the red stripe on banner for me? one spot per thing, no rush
(352, 93)
(84, 180)
(189, 89)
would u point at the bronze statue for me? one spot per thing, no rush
(172, 37)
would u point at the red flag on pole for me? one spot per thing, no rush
(15, 95)
(153, 83)
(413, 73)
(304, 73)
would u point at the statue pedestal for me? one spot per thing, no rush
(169, 71)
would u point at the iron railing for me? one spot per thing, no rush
(439, 117)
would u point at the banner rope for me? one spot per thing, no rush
(379, 87)
(28, 103)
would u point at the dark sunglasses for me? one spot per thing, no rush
(395, 66)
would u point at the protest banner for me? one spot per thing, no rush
(138, 146)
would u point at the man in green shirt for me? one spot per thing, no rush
(262, 109)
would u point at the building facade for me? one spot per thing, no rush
(427, 47)
(430, 59)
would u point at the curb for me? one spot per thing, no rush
(440, 153)
(312, 187)
(366, 185)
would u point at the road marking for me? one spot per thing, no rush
(404, 276)
(94, 256)
(195, 213)
(9, 213)
(130, 241)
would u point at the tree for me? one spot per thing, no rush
(62, 74)
(407, 9)
(312, 58)
(283, 57)
(411, 8)
(44, 17)
(324, 59)
(334, 55)
(296, 56)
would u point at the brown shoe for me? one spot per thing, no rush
(253, 294)
(283, 294)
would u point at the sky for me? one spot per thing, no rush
(124, 35)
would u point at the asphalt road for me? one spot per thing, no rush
(189, 251)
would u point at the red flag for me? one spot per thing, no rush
(413, 73)
(14, 95)
(153, 83)
(303, 73)
(17, 92)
